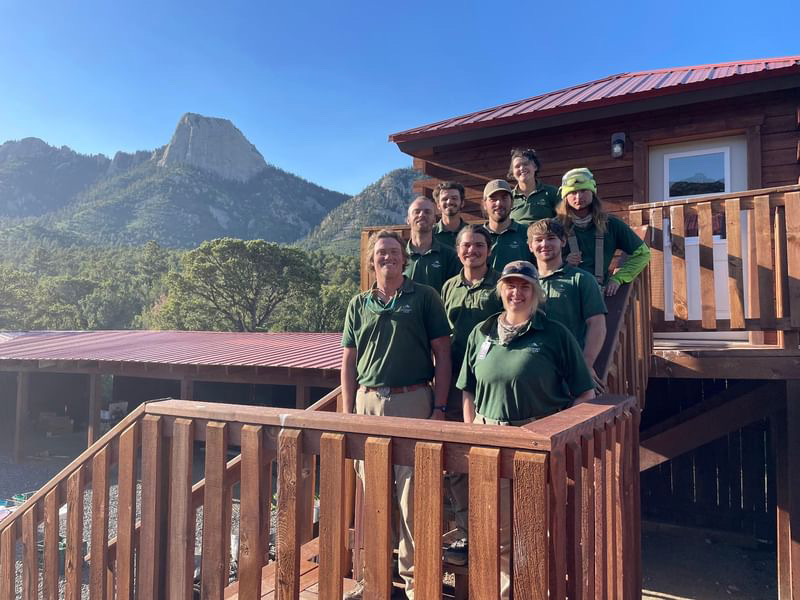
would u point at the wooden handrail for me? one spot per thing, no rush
(719, 198)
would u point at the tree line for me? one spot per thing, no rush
(224, 284)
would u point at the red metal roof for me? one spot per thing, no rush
(616, 89)
(293, 350)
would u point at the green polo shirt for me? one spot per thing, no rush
(446, 237)
(573, 296)
(467, 305)
(393, 342)
(541, 204)
(509, 245)
(618, 236)
(528, 378)
(434, 267)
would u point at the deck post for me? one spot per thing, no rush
(302, 395)
(93, 431)
(187, 389)
(786, 439)
(23, 380)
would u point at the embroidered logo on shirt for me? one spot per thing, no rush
(514, 244)
(436, 264)
(405, 309)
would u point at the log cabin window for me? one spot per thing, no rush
(697, 173)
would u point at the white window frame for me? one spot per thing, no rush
(725, 150)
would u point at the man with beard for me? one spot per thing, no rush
(449, 197)
(509, 239)
(429, 262)
(396, 340)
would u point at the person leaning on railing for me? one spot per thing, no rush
(594, 236)
(520, 366)
(392, 335)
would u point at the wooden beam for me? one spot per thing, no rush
(700, 365)
(706, 426)
(93, 431)
(302, 395)
(23, 380)
(793, 476)
(187, 389)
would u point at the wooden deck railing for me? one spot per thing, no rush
(754, 282)
(575, 484)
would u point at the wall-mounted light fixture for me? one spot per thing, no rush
(617, 145)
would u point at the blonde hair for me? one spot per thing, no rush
(539, 296)
(564, 212)
(384, 234)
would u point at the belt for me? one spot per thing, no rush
(394, 390)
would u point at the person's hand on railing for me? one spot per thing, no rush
(599, 384)
(574, 258)
(611, 287)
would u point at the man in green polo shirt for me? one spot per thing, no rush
(532, 199)
(449, 197)
(469, 298)
(509, 240)
(574, 297)
(396, 339)
(430, 262)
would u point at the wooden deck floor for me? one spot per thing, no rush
(309, 583)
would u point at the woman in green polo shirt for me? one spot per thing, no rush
(520, 366)
(594, 236)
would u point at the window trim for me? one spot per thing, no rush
(726, 152)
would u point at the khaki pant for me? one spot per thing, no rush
(417, 404)
(505, 513)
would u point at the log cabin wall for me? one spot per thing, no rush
(769, 121)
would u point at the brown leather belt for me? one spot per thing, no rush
(394, 390)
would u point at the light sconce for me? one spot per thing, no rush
(617, 145)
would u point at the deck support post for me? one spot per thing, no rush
(187, 389)
(302, 395)
(786, 436)
(93, 431)
(23, 380)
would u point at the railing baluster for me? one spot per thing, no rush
(484, 523)
(657, 265)
(706, 255)
(601, 515)
(287, 576)
(619, 514)
(733, 232)
(153, 510)
(73, 562)
(30, 561)
(331, 518)
(377, 516)
(679, 286)
(213, 575)
(180, 560)
(792, 204)
(558, 523)
(530, 525)
(126, 512)
(611, 500)
(574, 509)
(98, 565)
(587, 537)
(8, 570)
(50, 570)
(428, 494)
(251, 542)
(764, 256)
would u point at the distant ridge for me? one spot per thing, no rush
(384, 202)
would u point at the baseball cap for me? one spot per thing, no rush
(496, 185)
(522, 269)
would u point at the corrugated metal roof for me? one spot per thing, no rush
(616, 89)
(293, 350)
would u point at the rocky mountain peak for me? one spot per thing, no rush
(214, 145)
(25, 148)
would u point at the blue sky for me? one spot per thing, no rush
(318, 86)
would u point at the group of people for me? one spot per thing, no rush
(497, 323)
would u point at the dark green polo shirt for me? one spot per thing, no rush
(618, 236)
(541, 204)
(529, 377)
(434, 267)
(445, 237)
(392, 342)
(467, 305)
(508, 246)
(573, 296)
